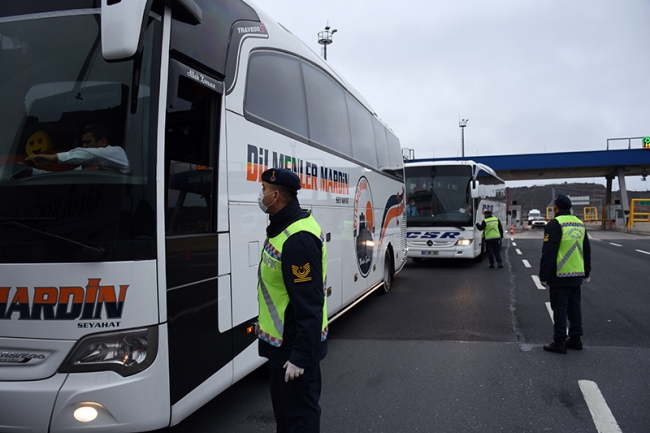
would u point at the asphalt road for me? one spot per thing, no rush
(457, 347)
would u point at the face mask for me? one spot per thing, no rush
(260, 201)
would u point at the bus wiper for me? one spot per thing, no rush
(2, 219)
(87, 250)
(450, 224)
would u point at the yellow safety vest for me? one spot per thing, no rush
(271, 290)
(491, 228)
(570, 257)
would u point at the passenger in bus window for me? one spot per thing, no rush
(95, 152)
(292, 323)
(411, 208)
(492, 235)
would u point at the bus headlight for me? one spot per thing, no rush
(126, 352)
(464, 242)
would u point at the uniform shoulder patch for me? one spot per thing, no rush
(546, 237)
(301, 273)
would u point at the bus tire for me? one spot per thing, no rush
(388, 273)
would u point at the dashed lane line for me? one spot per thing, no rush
(641, 251)
(600, 412)
(538, 283)
(525, 262)
(616, 245)
(518, 251)
(550, 313)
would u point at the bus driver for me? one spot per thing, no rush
(95, 151)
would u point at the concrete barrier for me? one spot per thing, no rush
(639, 229)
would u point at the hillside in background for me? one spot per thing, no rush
(538, 197)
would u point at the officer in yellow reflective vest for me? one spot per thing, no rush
(292, 323)
(492, 235)
(565, 264)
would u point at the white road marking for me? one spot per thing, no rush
(593, 238)
(550, 311)
(525, 262)
(616, 245)
(514, 244)
(641, 251)
(518, 251)
(600, 412)
(537, 282)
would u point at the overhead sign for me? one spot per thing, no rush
(580, 200)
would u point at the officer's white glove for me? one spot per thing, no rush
(586, 280)
(292, 371)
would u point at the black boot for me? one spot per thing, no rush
(500, 265)
(574, 343)
(556, 346)
(491, 265)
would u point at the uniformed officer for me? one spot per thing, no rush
(565, 264)
(293, 313)
(492, 233)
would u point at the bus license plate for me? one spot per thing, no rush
(429, 253)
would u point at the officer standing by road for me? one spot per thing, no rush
(493, 234)
(565, 264)
(292, 325)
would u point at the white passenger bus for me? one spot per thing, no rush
(445, 200)
(127, 296)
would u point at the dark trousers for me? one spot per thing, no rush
(295, 403)
(565, 303)
(493, 250)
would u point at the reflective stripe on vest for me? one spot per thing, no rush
(570, 257)
(272, 292)
(491, 228)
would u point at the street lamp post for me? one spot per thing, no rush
(462, 123)
(325, 38)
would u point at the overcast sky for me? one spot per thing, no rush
(532, 76)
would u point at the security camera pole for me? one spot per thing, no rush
(462, 123)
(325, 38)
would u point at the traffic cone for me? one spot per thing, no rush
(512, 230)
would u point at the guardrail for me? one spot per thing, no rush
(639, 211)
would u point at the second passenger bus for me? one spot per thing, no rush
(445, 200)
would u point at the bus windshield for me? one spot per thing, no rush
(439, 196)
(76, 134)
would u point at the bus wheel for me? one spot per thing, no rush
(388, 274)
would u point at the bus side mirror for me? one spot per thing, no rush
(474, 190)
(123, 24)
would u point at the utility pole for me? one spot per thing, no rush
(462, 123)
(325, 38)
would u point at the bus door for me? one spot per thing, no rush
(198, 348)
